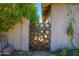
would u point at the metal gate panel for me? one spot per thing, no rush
(40, 39)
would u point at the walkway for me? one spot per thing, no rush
(34, 53)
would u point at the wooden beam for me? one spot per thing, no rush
(45, 11)
(45, 4)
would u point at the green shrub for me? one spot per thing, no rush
(74, 52)
(61, 52)
(12, 13)
(66, 52)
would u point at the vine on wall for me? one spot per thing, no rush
(70, 34)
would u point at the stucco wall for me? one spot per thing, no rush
(19, 36)
(25, 35)
(59, 23)
(75, 13)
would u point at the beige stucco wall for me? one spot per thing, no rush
(25, 35)
(18, 37)
(75, 11)
(59, 23)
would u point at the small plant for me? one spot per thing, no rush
(74, 52)
(66, 52)
(61, 52)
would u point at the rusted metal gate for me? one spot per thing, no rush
(40, 37)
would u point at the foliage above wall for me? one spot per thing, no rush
(10, 14)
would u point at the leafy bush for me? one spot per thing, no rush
(61, 52)
(66, 52)
(74, 52)
(10, 14)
